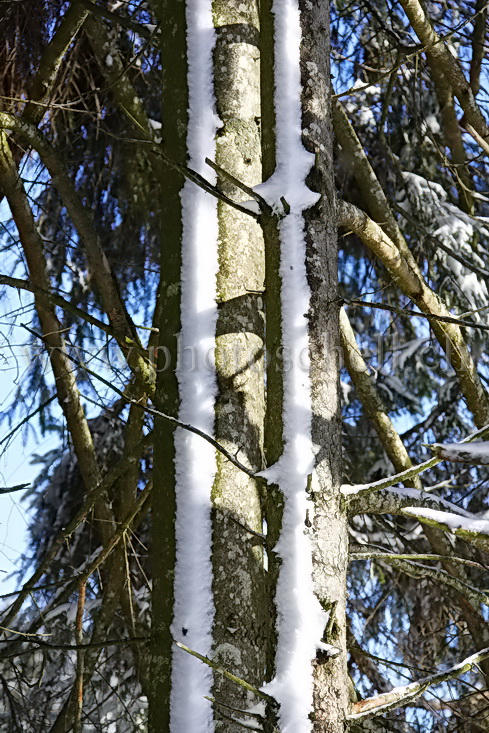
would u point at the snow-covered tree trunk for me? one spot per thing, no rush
(306, 582)
(241, 612)
(310, 680)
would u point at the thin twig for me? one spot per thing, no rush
(56, 300)
(139, 28)
(265, 206)
(191, 175)
(248, 529)
(225, 673)
(152, 411)
(213, 700)
(11, 489)
(27, 418)
(80, 659)
(416, 314)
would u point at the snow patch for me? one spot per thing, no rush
(301, 620)
(477, 453)
(195, 459)
(452, 521)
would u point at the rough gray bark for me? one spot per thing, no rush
(239, 578)
(329, 533)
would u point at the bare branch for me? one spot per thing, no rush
(370, 399)
(437, 575)
(415, 314)
(225, 673)
(361, 552)
(405, 272)
(80, 658)
(56, 300)
(11, 489)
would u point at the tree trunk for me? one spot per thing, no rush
(171, 16)
(329, 533)
(241, 612)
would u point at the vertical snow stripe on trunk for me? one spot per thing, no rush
(301, 620)
(195, 459)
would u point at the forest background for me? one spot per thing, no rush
(176, 178)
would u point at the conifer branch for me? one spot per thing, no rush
(373, 706)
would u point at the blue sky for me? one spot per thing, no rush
(15, 468)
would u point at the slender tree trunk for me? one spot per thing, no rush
(240, 627)
(171, 16)
(330, 531)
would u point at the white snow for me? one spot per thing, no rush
(432, 124)
(351, 489)
(252, 206)
(478, 452)
(195, 458)
(301, 620)
(452, 521)
(408, 493)
(346, 389)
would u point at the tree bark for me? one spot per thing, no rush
(241, 612)
(329, 533)
(172, 19)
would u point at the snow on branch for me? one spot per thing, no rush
(399, 696)
(356, 491)
(476, 454)
(395, 500)
(471, 529)
(363, 489)
(453, 233)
